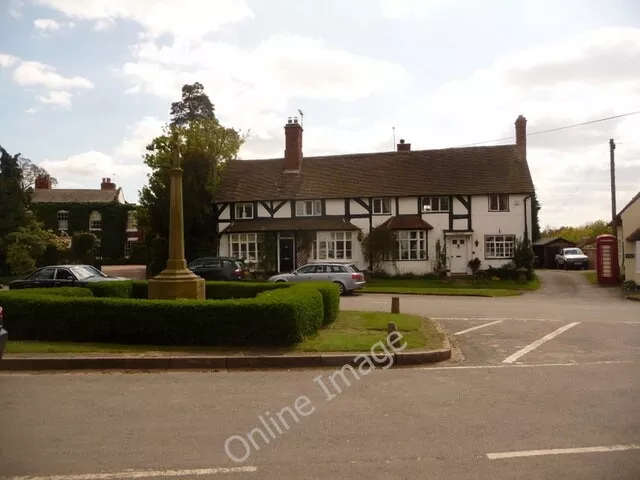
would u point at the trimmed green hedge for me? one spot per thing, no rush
(277, 316)
(214, 290)
(330, 299)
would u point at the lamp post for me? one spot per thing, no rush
(176, 280)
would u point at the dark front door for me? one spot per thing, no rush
(286, 259)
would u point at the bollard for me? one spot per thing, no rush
(392, 327)
(395, 304)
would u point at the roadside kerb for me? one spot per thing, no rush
(230, 362)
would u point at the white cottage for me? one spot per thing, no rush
(292, 210)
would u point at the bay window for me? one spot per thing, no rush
(499, 246)
(333, 246)
(412, 244)
(245, 246)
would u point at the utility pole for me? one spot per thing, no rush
(612, 167)
(394, 138)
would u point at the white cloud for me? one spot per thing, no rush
(56, 97)
(88, 166)
(14, 8)
(140, 135)
(7, 60)
(411, 9)
(31, 110)
(257, 83)
(56, 88)
(191, 19)
(36, 73)
(49, 25)
(102, 25)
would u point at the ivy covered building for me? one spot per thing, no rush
(103, 212)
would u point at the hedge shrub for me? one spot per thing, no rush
(274, 318)
(330, 299)
(214, 290)
(56, 292)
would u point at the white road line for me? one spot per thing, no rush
(479, 326)
(518, 319)
(537, 343)
(531, 365)
(561, 451)
(137, 474)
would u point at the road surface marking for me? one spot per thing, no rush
(518, 319)
(537, 343)
(561, 451)
(531, 365)
(479, 326)
(137, 474)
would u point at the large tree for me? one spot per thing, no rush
(31, 171)
(195, 105)
(205, 146)
(13, 200)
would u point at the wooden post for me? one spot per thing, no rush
(395, 304)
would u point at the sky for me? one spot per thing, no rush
(86, 84)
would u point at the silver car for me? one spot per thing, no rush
(346, 275)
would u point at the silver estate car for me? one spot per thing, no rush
(346, 275)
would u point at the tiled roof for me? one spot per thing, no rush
(282, 224)
(452, 171)
(549, 240)
(64, 195)
(407, 222)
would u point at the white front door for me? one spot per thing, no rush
(458, 254)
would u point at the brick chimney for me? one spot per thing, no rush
(404, 147)
(107, 184)
(43, 182)
(293, 145)
(521, 136)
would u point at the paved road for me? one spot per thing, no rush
(526, 395)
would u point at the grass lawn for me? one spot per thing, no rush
(351, 332)
(462, 286)
(591, 276)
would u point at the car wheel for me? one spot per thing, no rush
(341, 288)
(279, 281)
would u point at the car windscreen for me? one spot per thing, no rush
(573, 251)
(82, 273)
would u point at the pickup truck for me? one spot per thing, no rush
(572, 257)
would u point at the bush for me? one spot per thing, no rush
(214, 290)
(279, 317)
(504, 272)
(56, 292)
(330, 300)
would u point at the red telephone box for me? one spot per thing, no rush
(607, 266)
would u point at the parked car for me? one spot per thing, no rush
(572, 258)
(62, 276)
(220, 268)
(346, 275)
(4, 335)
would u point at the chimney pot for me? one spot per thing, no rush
(43, 182)
(404, 147)
(107, 184)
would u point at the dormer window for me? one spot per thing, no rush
(309, 208)
(244, 210)
(381, 206)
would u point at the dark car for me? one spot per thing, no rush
(62, 276)
(220, 268)
(3, 334)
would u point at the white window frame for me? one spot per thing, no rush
(412, 244)
(435, 204)
(245, 246)
(95, 217)
(132, 220)
(500, 201)
(333, 246)
(499, 246)
(309, 208)
(128, 246)
(244, 210)
(381, 206)
(63, 220)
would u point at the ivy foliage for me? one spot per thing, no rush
(379, 245)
